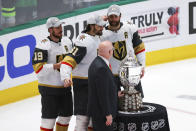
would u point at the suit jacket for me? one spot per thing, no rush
(102, 90)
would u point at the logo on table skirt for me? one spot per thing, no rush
(115, 127)
(154, 125)
(121, 126)
(132, 127)
(161, 123)
(145, 126)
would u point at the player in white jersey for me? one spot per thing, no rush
(56, 100)
(125, 39)
(77, 63)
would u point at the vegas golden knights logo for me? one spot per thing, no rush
(59, 58)
(66, 48)
(126, 35)
(120, 51)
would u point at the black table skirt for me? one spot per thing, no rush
(152, 117)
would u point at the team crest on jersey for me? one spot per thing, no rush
(128, 22)
(120, 51)
(126, 35)
(66, 48)
(59, 58)
(82, 37)
(44, 40)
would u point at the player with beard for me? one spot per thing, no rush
(77, 63)
(56, 100)
(125, 39)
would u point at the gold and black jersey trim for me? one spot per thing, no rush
(37, 67)
(136, 39)
(140, 48)
(53, 86)
(115, 74)
(79, 77)
(68, 60)
(40, 57)
(75, 57)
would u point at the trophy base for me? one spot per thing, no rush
(130, 102)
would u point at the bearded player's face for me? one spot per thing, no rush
(114, 20)
(57, 32)
(98, 30)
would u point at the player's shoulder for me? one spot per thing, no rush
(129, 25)
(66, 41)
(82, 39)
(43, 44)
(82, 36)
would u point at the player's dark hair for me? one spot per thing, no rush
(87, 28)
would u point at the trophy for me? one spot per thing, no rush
(130, 73)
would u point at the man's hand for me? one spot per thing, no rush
(67, 82)
(143, 71)
(57, 66)
(120, 94)
(109, 120)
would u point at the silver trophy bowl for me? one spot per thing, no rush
(130, 73)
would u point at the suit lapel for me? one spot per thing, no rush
(102, 61)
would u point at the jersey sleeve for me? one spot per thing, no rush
(77, 54)
(67, 43)
(138, 45)
(40, 58)
(73, 58)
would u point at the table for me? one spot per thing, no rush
(152, 117)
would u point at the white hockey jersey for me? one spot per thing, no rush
(126, 40)
(46, 54)
(83, 53)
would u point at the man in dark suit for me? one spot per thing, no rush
(102, 97)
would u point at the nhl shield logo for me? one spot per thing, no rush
(120, 51)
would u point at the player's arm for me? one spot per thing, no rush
(71, 60)
(139, 48)
(68, 44)
(40, 65)
(138, 44)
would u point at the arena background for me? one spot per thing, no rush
(168, 28)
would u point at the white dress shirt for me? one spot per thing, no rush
(106, 61)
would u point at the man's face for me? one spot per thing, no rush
(57, 32)
(98, 30)
(114, 20)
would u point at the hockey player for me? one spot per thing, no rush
(78, 62)
(125, 39)
(56, 100)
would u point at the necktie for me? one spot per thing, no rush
(110, 67)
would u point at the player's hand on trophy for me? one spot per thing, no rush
(120, 93)
(57, 66)
(67, 82)
(143, 72)
(109, 120)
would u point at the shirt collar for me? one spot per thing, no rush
(106, 61)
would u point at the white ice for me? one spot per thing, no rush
(172, 85)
